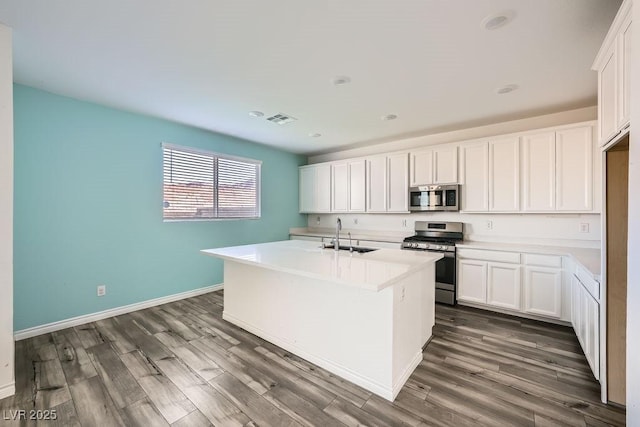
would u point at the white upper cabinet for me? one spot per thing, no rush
(307, 177)
(357, 176)
(613, 67)
(475, 172)
(553, 170)
(574, 169)
(376, 184)
(504, 175)
(347, 186)
(421, 167)
(315, 188)
(387, 183)
(607, 102)
(398, 183)
(323, 188)
(491, 175)
(624, 72)
(538, 161)
(438, 165)
(340, 187)
(558, 170)
(445, 165)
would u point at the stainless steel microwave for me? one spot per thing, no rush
(434, 198)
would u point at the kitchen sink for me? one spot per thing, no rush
(357, 249)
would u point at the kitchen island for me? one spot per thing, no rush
(362, 316)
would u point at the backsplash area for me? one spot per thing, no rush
(545, 229)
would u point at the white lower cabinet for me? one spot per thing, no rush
(503, 285)
(472, 281)
(518, 282)
(543, 291)
(491, 283)
(585, 318)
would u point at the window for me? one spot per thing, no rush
(204, 185)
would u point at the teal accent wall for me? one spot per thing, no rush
(88, 208)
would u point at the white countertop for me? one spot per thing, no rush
(587, 257)
(373, 270)
(390, 237)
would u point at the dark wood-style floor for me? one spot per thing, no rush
(180, 364)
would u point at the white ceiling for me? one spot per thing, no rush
(208, 63)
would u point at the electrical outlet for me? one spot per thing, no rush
(584, 227)
(404, 222)
(102, 290)
(355, 221)
(317, 220)
(489, 225)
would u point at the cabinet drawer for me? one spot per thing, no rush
(588, 282)
(482, 255)
(543, 260)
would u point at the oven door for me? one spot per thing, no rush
(446, 271)
(446, 278)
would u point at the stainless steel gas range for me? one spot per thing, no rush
(440, 237)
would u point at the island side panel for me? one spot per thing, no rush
(344, 329)
(413, 320)
(428, 296)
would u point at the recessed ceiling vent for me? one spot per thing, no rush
(281, 119)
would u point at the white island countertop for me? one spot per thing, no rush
(372, 270)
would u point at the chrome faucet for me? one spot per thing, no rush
(336, 242)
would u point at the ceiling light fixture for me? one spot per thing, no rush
(341, 80)
(315, 135)
(499, 20)
(389, 117)
(506, 89)
(256, 114)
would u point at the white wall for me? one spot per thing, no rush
(558, 230)
(633, 272)
(6, 214)
(539, 122)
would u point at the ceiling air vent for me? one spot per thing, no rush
(281, 119)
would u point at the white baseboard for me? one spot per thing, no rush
(373, 386)
(7, 390)
(406, 374)
(88, 318)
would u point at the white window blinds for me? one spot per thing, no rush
(206, 185)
